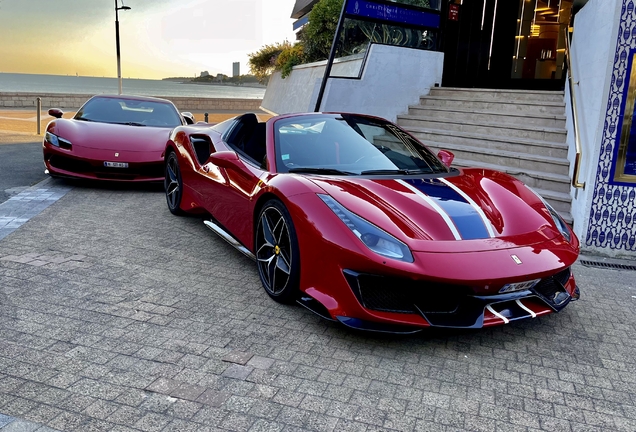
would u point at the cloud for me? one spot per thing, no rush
(158, 37)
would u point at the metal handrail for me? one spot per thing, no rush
(577, 134)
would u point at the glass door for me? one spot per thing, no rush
(539, 51)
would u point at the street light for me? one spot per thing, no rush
(117, 9)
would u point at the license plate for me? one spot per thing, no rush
(116, 164)
(519, 286)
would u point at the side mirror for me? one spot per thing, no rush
(446, 157)
(226, 159)
(56, 112)
(188, 117)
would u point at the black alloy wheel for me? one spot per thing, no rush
(277, 253)
(173, 184)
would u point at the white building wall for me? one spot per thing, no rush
(593, 50)
(299, 91)
(392, 79)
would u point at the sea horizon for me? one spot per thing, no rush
(77, 84)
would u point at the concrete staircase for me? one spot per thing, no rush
(518, 132)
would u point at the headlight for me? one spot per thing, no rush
(558, 220)
(57, 141)
(373, 237)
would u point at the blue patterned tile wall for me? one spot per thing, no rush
(612, 222)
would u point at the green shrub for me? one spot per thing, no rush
(263, 62)
(288, 58)
(317, 36)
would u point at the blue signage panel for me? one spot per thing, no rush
(390, 13)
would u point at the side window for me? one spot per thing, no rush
(248, 138)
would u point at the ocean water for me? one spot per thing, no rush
(10, 82)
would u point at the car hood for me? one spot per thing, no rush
(107, 136)
(472, 209)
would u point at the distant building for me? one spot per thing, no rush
(205, 73)
(236, 69)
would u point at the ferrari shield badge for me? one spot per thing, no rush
(516, 259)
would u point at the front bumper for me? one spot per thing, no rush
(456, 306)
(64, 163)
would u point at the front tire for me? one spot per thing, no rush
(277, 252)
(173, 185)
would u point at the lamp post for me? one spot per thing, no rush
(117, 9)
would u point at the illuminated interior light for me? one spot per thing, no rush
(523, 8)
(492, 34)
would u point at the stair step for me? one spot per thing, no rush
(541, 133)
(529, 146)
(485, 116)
(510, 159)
(509, 106)
(497, 94)
(534, 179)
(557, 196)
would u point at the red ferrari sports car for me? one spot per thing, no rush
(118, 138)
(358, 221)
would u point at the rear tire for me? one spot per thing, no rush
(173, 185)
(277, 252)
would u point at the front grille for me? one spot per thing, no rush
(563, 276)
(70, 164)
(134, 170)
(151, 170)
(548, 287)
(553, 290)
(406, 296)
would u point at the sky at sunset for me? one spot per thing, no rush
(159, 38)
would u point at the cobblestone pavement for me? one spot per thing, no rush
(116, 315)
(27, 203)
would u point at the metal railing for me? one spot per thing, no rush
(577, 134)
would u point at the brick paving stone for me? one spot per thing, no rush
(259, 362)
(237, 372)
(237, 357)
(213, 398)
(188, 392)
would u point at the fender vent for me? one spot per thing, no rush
(605, 265)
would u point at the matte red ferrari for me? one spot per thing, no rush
(358, 221)
(119, 138)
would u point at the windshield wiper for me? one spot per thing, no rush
(84, 119)
(133, 124)
(311, 170)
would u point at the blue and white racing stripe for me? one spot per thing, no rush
(464, 217)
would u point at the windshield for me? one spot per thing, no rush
(350, 145)
(130, 112)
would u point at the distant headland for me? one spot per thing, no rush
(220, 79)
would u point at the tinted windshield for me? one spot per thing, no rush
(349, 144)
(127, 111)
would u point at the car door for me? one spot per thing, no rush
(229, 190)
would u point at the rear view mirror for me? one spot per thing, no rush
(188, 117)
(446, 157)
(56, 112)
